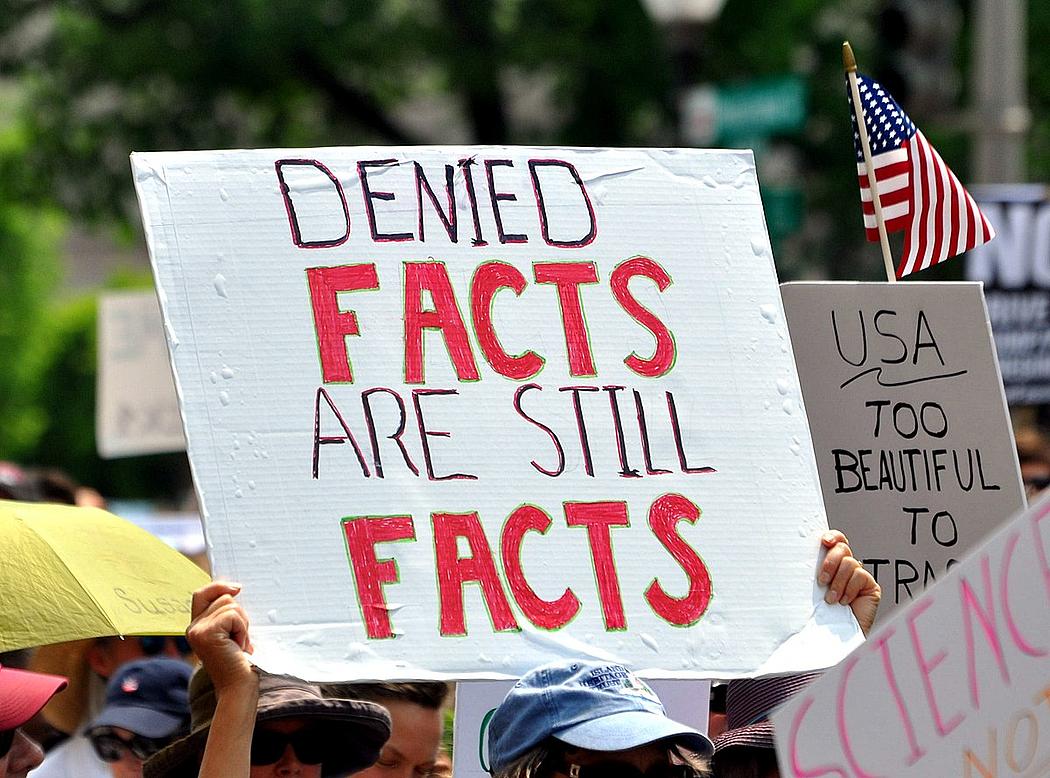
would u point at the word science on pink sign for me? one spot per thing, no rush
(956, 683)
(453, 412)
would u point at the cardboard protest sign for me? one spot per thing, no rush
(463, 411)
(136, 411)
(1015, 270)
(911, 433)
(956, 683)
(684, 701)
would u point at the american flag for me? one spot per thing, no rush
(917, 191)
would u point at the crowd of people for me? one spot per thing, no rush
(114, 707)
(134, 707)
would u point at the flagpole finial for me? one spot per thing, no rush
(848, 61)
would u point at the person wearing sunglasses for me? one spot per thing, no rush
(246, 723)
(417, 721)
(22, 695)
(147, 707)
(164, 645)
(590, 719)
(89, 664)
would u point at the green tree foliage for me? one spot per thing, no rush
(66, 406)
(108, 76)
(1039, 91)
(100, 78)
(104, 77)
(805, 37)
(29, 241)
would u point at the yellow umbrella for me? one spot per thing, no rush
(68, 573)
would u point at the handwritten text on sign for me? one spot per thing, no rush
(510, 394)
(957, 683)
(910, 428)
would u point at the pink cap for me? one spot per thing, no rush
(24, 693)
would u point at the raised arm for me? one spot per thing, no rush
(219, 637)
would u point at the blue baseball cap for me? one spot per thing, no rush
(148, 697)
(587, 704)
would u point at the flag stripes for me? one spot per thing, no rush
(945, 220)
(917, 192)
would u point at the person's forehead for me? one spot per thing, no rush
(416, 731)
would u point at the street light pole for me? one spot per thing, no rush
(1001, 117)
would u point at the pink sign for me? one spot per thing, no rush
(957, 683)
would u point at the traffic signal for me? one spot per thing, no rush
(918, 40)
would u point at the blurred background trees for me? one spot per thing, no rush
(84, 82)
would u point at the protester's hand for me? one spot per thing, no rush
(218, 635)
(847, 581)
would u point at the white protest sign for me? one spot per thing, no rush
(686, 701)
(956, 683)
(910, 427)
(136, 411)
(462, 411)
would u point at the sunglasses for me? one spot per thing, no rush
(624, 770)
(152, 645)
(110, 747)
(309, 746)
(7, 738)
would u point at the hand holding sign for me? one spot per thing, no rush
(891, 375)
(847, 582)
(953, 684)
(218, 634)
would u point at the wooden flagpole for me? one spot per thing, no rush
(851, 73)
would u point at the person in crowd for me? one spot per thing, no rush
(37, 727)
(89, 664)
(54, 485)
(16, 484)
(604, 718)
(45, 485)
(38, 485)
(443, 765)
(86, 663)
(249, 724)
(416, 725)
(589, 719)
(147, 707)
(584, 719)
(747, 749)
(716, 711)
(22, 695)
(1033, 455)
